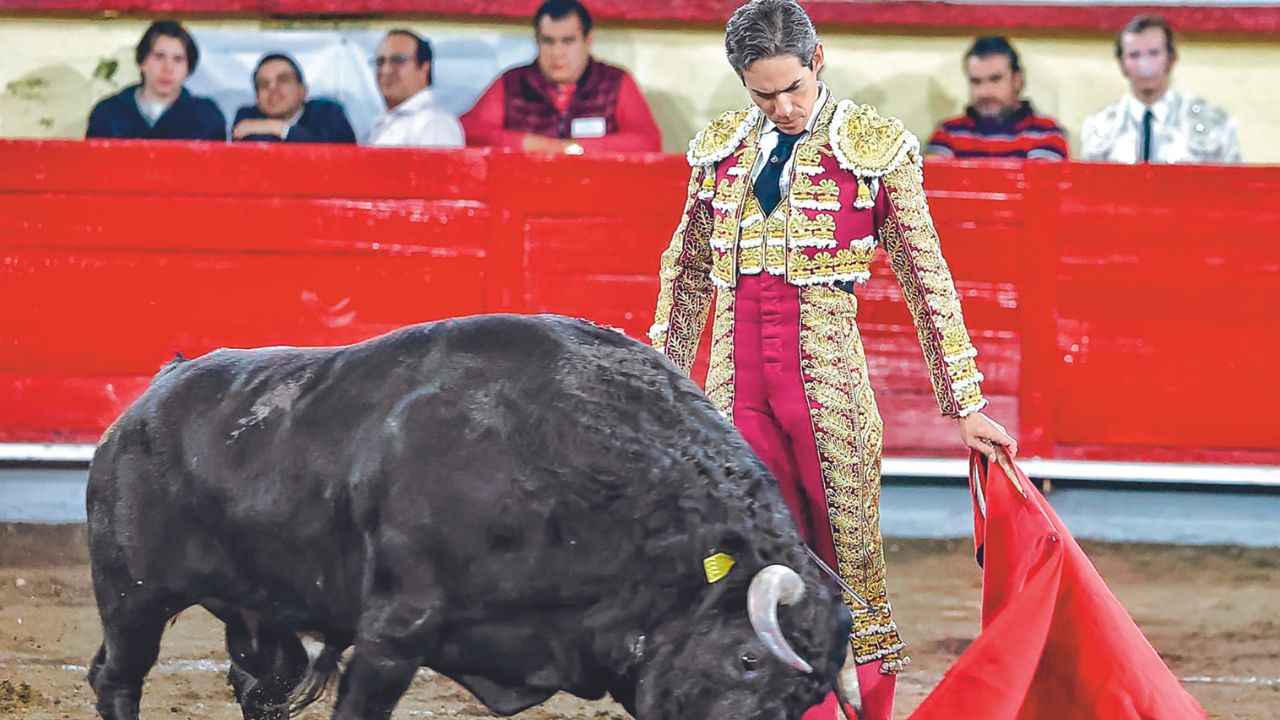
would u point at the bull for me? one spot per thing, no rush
(527, 505)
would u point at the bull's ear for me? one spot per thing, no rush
(734, 544)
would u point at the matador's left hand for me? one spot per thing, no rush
(982, 434)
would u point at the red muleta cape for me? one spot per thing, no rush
(1055, 643)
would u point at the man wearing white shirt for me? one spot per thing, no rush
(1153, 123)
(413, 118)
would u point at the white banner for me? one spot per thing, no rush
(338, 65)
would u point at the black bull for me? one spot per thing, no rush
(523, 504)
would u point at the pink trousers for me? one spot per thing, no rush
(771, 411)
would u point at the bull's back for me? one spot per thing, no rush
(529, 476)
(499, 442)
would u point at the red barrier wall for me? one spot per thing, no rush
(829, 15)
(1120, 312)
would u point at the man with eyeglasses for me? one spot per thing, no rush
(414, 118)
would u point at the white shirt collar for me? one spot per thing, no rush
(769, 125)
(1161, 109)
(415, 102)
(151, 110)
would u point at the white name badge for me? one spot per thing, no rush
(587, 127)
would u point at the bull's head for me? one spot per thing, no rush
(780, 585)
(769, 658)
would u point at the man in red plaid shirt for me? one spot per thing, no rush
(998, 123)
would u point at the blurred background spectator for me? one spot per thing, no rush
(998, 123)
(159, 107)
(283, 111)
(59, 66)
(566, 100)
(414, 116)
(1153, 122)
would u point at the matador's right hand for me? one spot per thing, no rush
(981, 433)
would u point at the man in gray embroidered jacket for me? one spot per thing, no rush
(1154, 122)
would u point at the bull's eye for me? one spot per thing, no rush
(749, 662)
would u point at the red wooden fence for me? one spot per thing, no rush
(1121, 313)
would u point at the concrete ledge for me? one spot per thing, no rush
(918, 468)
(42, 453)
(1083, 471)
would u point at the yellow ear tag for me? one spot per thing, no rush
(717, 566)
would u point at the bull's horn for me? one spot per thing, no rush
(847, 689)
(772, 586)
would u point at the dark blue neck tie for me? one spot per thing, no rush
(768, 183)
(1147, 118)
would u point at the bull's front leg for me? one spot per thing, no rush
(395, 636)
(376, 677)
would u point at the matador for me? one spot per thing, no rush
(787, 203)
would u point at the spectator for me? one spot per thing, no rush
(283, 111)
(413, 118)
(998, 123)
(159, 107)
(1153, 122)
(566, 101)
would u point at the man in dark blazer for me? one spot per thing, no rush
(282, 111)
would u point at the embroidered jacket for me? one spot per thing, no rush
(856, 184)
(1187, 130)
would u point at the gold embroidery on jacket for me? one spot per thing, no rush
(822, 195)
(751, 260)
(808, 159)
(850, 438)
(724, 232)
(720, 371)
(869, 144)
(845, 264)
(729, 193)
(730, 208)
(684, 286)
(916, 257)
(818, 232)
(721, 136)
(776, 238)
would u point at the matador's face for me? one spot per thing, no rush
(784, 89)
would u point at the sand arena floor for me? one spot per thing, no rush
(1213, 613)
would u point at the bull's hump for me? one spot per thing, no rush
(529, 338)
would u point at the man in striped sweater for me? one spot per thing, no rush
(998, 123)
